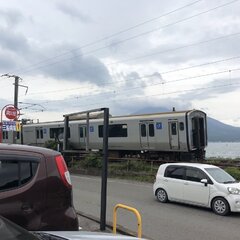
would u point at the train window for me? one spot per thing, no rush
(174, 128)
(55, 132)
(39, 133)
(18, 135)
(181, 126)
(151, 130)
(83, 132)
(5, 135)
(58, 132)
(143, 130)
(115, 130)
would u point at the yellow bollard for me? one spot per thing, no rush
(135, 211)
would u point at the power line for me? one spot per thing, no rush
(174, 49)
(155, 84)
(113, 35)
(156, 95)
(170, 50)
(133, 37)
(168, 93)
(142, 77)
(183, 79)
(200, 65)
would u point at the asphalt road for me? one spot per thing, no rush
(160, 221)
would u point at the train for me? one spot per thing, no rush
(176, 135)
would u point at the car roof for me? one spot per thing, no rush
(198, 165)
(26, 148)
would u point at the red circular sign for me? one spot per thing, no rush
(11, 112)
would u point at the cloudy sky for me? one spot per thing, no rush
(130, 56)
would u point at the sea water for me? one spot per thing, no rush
(223, 150)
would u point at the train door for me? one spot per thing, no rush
(82, 135)
(173, 135)
(198, 132)
(147, 135)
(39, 136)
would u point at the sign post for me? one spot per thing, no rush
(12, 113)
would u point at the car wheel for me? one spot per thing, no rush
(220, 206)
(161, 195)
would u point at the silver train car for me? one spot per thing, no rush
(173, 135)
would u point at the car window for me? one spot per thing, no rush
(15, 173)
(195, 175)
(9, 175)
(28, 170)
(174, 172)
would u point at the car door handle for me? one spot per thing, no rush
(186, 183)
(27, 208)
(165, 180)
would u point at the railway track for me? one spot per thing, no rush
(76, 155)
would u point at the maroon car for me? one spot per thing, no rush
(35, 188)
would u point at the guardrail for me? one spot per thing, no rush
(135, 211)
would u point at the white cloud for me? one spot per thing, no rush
(72, 58)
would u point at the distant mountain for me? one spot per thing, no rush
(221, 132)
(217, 131)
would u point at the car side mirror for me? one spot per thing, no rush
(205, 181)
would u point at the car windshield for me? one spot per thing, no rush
(220, 175)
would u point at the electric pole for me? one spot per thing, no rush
(16, 86)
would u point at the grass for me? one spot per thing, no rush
(235, 172)
(131, 169)
(137, 170)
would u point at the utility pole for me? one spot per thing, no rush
(16, 86)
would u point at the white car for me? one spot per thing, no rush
(11, 231)
(198, 184)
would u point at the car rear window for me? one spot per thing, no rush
(14, 173)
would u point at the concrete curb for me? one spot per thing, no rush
(120, 229)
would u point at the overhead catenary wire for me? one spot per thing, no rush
(138, 78)
(150, 75)
(175, 49)
(155, 95)
(131, 38)
(155, 84)
(114, 34)
(168, 50)
(178, 80)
